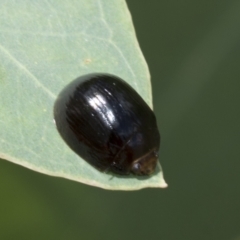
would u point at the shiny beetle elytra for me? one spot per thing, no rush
(105, 121)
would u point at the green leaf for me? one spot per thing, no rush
(43, 46)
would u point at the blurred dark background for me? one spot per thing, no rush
(193, 51)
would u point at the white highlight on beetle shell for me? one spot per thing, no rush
(100, 104)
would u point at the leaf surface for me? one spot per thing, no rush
(43, 46)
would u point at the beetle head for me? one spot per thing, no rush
(145, 165)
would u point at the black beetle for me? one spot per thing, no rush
(105, 121)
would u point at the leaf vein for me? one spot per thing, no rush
(22, 67)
